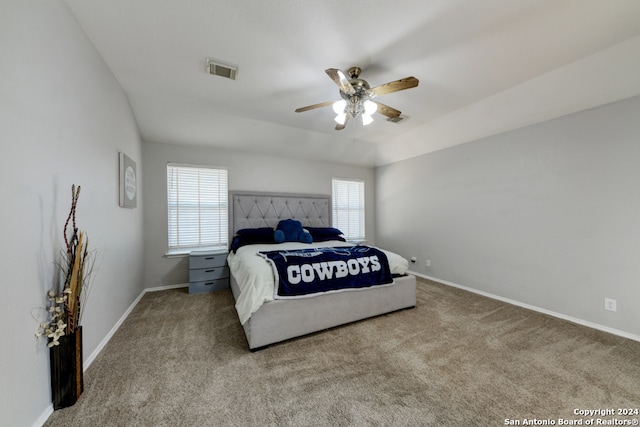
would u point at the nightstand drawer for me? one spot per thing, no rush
(205, 261)
(208, 286)
(208, 271)
(206, 274)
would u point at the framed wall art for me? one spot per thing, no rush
(128, 182)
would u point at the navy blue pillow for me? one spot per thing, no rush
(248, 236)
(323, 232)
(328, 237)
(256, 233)
(236, 243)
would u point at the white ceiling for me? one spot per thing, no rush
(485, 66)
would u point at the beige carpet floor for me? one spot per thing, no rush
(457, 359)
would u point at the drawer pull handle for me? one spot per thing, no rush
(209, 283)
(210, 257)
(210, 271)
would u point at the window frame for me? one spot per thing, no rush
(220, 207)
(352, 208)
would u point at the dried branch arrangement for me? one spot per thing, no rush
(76, 265)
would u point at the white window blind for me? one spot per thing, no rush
(197, 207)
(348, 208)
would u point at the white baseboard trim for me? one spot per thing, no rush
(534, 308)
(113, 330)
(44, 416)
(49, 410)
(166, 287)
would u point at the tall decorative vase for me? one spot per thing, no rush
(66, 370)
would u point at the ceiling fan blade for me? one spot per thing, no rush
(341, 80)
(346, 120)
(314, 106)
(385, 110)
(395, 86)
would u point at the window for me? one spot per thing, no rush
(197, 207)
(348, 208)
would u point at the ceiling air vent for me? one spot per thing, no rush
(222, 70)
(397, 119)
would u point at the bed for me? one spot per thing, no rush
(274, 320)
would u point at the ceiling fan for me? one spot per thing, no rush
(357, 97)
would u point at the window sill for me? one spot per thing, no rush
(185, 252)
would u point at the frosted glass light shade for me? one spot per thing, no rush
(341, 118)
(370, 107)
(366, 119)
(338, 106)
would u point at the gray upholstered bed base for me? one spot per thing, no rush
(280, 320)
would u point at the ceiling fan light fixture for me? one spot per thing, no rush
(370, 107)
(339, 106)
(357, 96)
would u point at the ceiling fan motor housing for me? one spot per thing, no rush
(361, 94)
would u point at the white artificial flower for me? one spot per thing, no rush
(56, 334)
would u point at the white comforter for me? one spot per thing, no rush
(255, 277)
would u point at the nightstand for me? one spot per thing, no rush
(208, 271)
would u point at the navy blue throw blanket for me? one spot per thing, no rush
(302, 272)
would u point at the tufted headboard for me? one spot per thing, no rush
(253, 210)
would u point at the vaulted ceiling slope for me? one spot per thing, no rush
(484, 67)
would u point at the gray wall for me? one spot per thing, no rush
(63, 120)
(547, 215)
(247, 172)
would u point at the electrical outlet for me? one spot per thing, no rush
(428, 263)
(609, 304)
